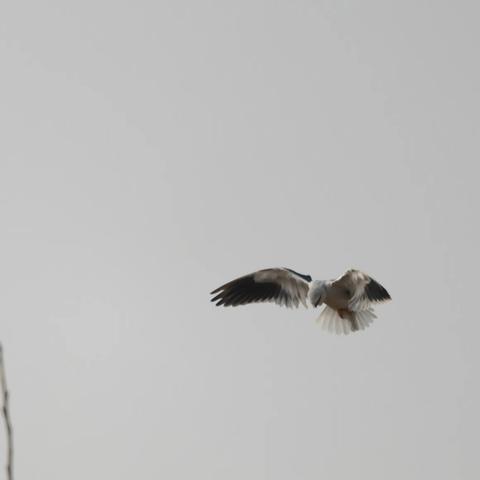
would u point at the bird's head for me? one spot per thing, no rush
(318, 292)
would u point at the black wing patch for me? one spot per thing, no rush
(246, 290)
(307, 278)
(375, 292)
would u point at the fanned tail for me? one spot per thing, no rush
(364, 318)
(330, 321)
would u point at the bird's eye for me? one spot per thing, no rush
(347, 292)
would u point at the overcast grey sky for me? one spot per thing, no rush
(151, 151)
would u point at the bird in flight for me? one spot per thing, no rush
(348, 301)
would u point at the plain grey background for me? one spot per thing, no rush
(151, 151)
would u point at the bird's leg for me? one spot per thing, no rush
(349, 315)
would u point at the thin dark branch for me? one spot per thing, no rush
(6, 416)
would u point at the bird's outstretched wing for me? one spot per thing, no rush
(362, 289)
(282, 286)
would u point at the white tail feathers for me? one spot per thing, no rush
(331, 321)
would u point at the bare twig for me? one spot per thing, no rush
(6, 416)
